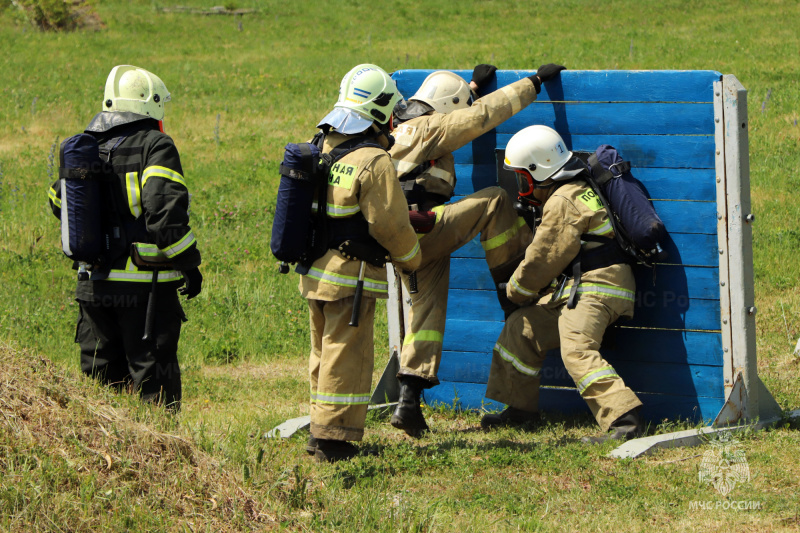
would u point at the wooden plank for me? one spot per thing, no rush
(656, 408)
(687, 217)
(468, 338)
(616, 118)
(695, 249)
(661, 183)
(672, 282)
(675, 282)
(677, 313)
(680, 313)
(643, 151)
(684, 217)
(679, 379)
(595, 85)
(664, 151)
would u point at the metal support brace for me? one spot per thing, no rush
(693, 437)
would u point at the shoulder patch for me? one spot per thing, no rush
(404, 134)
(590, 199)
(342, 175)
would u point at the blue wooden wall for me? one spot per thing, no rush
(671, 352)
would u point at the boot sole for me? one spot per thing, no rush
(415, 432)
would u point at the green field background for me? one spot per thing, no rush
(244, 86)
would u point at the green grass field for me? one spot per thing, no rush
(244, 86)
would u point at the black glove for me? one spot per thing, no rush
(549, 71)
(194, 283)
(482, 74)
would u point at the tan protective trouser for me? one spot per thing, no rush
(504, 237)
(340, 368)
(531, 331)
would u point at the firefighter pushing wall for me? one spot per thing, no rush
(440, 118)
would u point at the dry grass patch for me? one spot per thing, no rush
(76, 453)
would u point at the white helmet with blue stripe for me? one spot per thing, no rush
(367, 94)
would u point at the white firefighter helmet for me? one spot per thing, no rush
(134, 89)
(538, 150)
(367, 94)
(444, 91)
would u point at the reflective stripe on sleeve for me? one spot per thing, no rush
(342, 210)
(513, 96)
(603, 229)
(134, 193)
(347, 281)
(595, 375)
(500, 240)
(161, 172)
(180, 246)
(520, 289)
(54, 197)
(515, 362)
(424, 335)
(340, 399)
(410, 255)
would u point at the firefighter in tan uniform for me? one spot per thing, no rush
(364, 192)
(574, 229)
(439, 119)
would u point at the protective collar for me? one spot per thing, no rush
(345, 121)
(571, 169)
(105, 120)
(413, 109)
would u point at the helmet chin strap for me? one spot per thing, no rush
(161, 126)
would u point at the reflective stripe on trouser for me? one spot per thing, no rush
(531, 331)
(503, 235)
(340, 368)
(526, 337)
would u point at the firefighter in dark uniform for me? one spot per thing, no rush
(151, 200)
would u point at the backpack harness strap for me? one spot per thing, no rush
(602, 175)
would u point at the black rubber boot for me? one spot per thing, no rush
(510, 416)
(330, 451)
(408, 414)
(311, 445)
(628, 426)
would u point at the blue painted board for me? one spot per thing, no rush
(672, 282)
(696, 249)
(596, 85)
(680, 379)
(656, 408)
(643, 151)
(470, 343)
(663, 151)
(680, 313)
(616, 118)
(661, 183)
(686, 217)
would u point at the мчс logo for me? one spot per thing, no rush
(724, 465)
